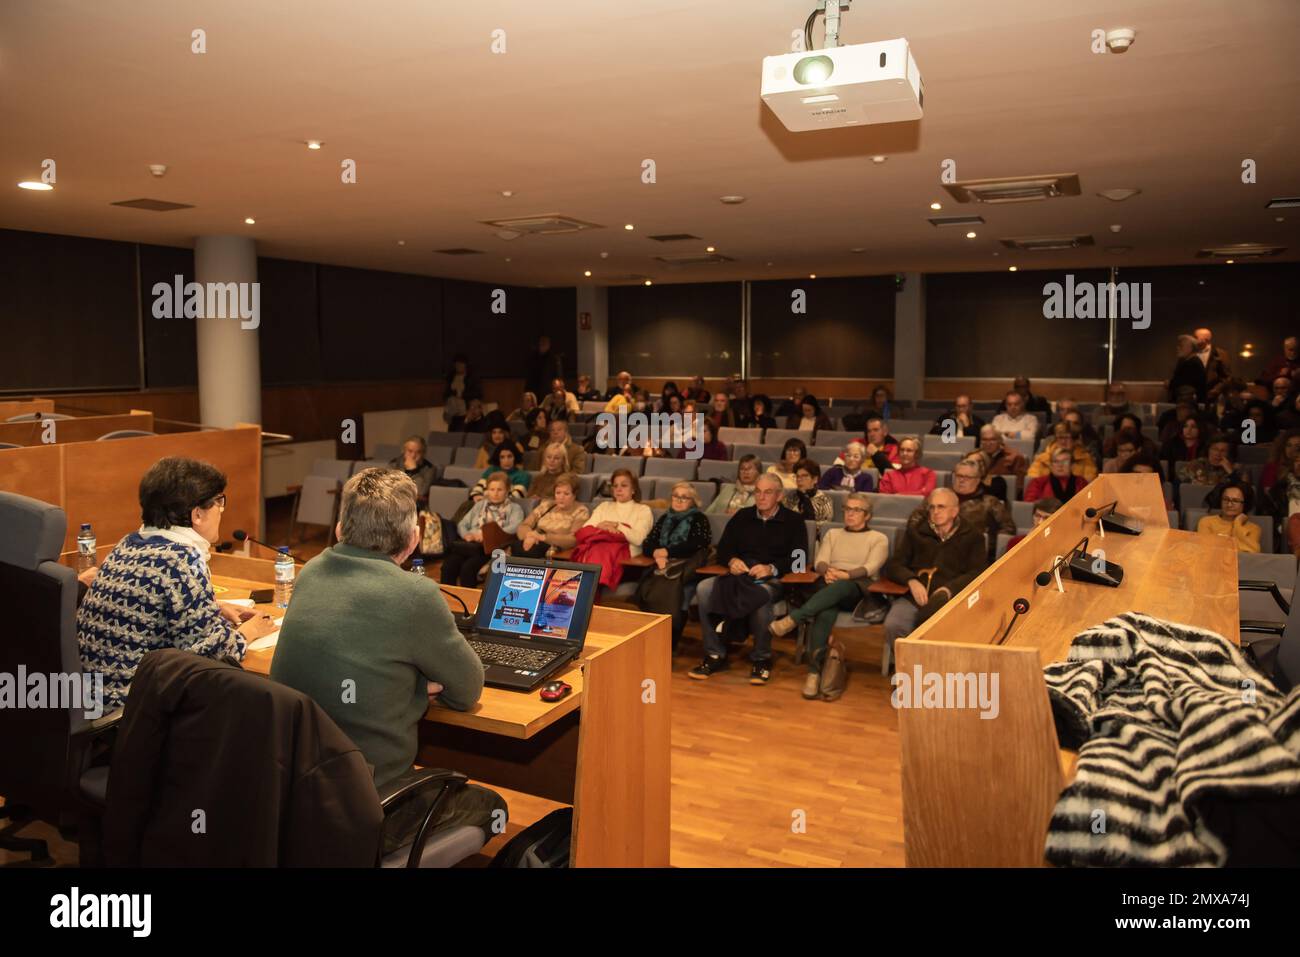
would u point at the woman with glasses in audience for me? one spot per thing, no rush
(553, 525)
(679, 544)
(1233, 502)
(792, 453)
(848, 474)
(806, 498)
(1064, 439)
(154, 590)
(733, 496)
(504, 461)
(910, 477)
(527, 405)
(495, 437)
(809, 417)
(1060, 482)
(848, 560)
(464, 559)
(1043, 508)
(994, 485)
(710, 448)
(615, 529)
(1286, 449)
(554, 464)
(1216, 466)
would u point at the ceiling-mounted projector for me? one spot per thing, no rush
(852, 85)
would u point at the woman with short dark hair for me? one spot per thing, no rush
(504, 458)
(792, 453)
(153, 590)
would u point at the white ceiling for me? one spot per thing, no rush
(438, 125)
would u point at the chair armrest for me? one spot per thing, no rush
(1253, 584)
(712, 570)
(637, 561)
(407, 786)
(884, 586)
(799, 578)
(1263, 628)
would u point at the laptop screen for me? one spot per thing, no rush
(533, 598)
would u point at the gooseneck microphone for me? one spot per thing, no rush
(240, 535)
(466, 622)
(1045, 578)
(1113, 521)
(1019, 606)
(1094, 512)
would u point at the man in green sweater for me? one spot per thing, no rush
(374, 645)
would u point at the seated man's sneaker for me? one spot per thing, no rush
(761, 673)
(708, 667)
(812, 685)
(782, 626)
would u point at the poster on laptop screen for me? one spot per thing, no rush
(536, 601)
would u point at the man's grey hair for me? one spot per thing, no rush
(768, 477)
(377, 511)
(862, 499)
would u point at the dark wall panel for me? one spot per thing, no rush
(379, 325)
(982, 325)
(68, 316)
(290, 333)
(680, 330)
(847, 329)
(1243, 303)
(498, 344)
(169, 344)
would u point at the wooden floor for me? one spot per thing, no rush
(760, 777)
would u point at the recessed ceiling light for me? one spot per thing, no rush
(1011, 269)
(507, 193)
(628, 226)
(649, 283)
(586, 272)
(314, 144)
(1279, 219)
(769, 264)
(855, 249)
(249, 220)
(936, 205)
(710, 249)
(879, 159)
(29, 184)
(604, 255)
(731, 200)
(1229, 261)
(507, 259)
(401, 242)
(970, 235)
(812, 275)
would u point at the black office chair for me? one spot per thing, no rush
(1279, 655)
(124, 434)
(44, 752)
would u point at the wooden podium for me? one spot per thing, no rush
(979, 791)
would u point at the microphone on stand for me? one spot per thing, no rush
(1019, 606)
(1113, 521)
(240, 535)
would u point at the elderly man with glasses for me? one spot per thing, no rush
(980, 510)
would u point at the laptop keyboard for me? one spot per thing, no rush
(512, 657)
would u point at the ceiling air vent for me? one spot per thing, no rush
(1283, 202)
(544, 225)
(956, 220)
(703, 259)
(1046, 243)
(153, 205)
(1014, 189)
(460, 252)
(1240, 251)
(672, 237)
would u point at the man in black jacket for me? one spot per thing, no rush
(759, 545)
(937, 558)
(959, 421)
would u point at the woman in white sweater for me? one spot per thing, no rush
(625, 514)
(848, 559)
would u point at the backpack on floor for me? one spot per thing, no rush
(835, 673)
(543, 843)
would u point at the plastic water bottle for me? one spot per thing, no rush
(417, 566)
(85, 548)
(283, 578)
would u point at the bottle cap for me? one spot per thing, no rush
(85, 526)
(284, 549)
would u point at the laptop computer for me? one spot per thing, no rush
(532, 620)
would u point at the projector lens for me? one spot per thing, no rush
(813, 69)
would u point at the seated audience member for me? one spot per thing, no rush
(1188, 445)
(553, 525)
(643, 448)
(792, 405)
(495, 437)
(882, 448)
(1214, 468)
(1261, 413)
(994, 485)
(574, 453)
(526, 405)
(1283, 503)
(792, 453)
(848, 560)
(153, 590)
(761, 415)
(1288, 418)
(671, 403)
(461, 387)
(1016, 422)
(807, 499)
(418, 469)
(412, 652)
(741, 405)
(1042, 509)
(495, 506)
(539, 432)
(586, 392)
(935, 560)
(1170, 423)
(1084, 434)
(1064, 439)
(1133, 426)
(504, 461)
(849, 475)
(666, 394)
(1032, 403)
(615, 529)
(710, 447)
(1141, 463)
(733, 496)
(560, 401)
(472, 421)
(1286, 449)
(1233, 501)
(882, 403)
(1282, 391)
(958, 421)
(758, 546)
(1060, 483)
(910, 477)
(1116, 404)
(1002, 460)
(679, 544)
(1286, 364)
(1189, 371)
(986, 513)
(810, 417)
(720, 415)
(554, 465)
(1126, 445)
(622, 385)
(623, 401)
(696, 391)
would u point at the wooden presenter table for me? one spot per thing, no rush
(979, 792)
(604, 748)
